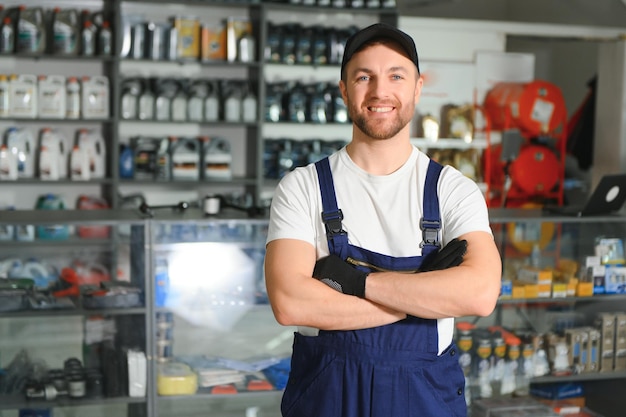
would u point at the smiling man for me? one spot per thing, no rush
(372, 253)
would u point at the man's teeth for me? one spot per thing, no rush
(381, 109)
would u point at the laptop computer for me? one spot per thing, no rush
(608, 197)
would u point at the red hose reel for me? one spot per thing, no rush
(537, 110)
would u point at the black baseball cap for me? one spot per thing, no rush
(379, 31)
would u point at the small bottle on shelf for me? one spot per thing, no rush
(7, 37)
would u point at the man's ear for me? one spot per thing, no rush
(344, 92)
(418, 88)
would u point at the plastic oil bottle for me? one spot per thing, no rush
(105, 39)
(64, 31)
(7, 36)
(4, 96)
(72, 104)
(31, 30)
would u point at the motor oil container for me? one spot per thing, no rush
(31, 29)
(232, 102)
(185, 159)
(7, 36)
(195, 103)
(212, 103)
(93, 144)
(164, 159)
(52, 96)
(88, 39)
(151, 158)
(104, 41)
(86, 202)
(127, 164)
(146, 102)
(72, 98)
(23, 96)
(52, 158)
(5, 108)
(165, 90)
(249, 106)
(130, 93)
(8, 164)
(95, 97)
(54, 232)
(7, 232)
(144, 151)
(216, 158)
(179, 103)
(20, 142)
(79, 164)
(65, 27)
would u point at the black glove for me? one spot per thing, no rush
(449, 256)
(339, 275)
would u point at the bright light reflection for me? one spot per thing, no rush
(211, 284)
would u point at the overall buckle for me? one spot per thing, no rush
(332, 220)
(430, 232)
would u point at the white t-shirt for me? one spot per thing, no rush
(381, 213)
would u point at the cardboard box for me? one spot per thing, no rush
(620, 331)
(605, 323)
(593, 350)
(533, 275)
(188, 29)
(574, 341)
(585, 289)
(572, 285)
(212, 43)
(595, 274)
(559, 290)
(518, 291)
(531, 290)
(544, 290)
(615, 279)
(620, 360)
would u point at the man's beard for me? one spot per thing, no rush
(378, 129)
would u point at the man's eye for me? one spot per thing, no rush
(363, 78)
(396, 77)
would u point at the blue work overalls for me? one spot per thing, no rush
(387, 371)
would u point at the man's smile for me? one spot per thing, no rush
(380, 109)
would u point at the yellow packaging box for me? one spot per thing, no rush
(544, 290)
(532, 290)
(188, 29)
(559, 290)
(584, 289)
(533, 275)
(572, 285)
(518, 291)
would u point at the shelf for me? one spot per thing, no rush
(57, 243)
(304, 131)
(232, 181)
(205, 395)
(592, 376)
(546, 300)
(52, 57)
(64, 182)
(54, 121)
(13, 402)
(447, 143)
(77, 312)
(318, 9)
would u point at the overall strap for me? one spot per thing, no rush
(431, 222)
(331, 214)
